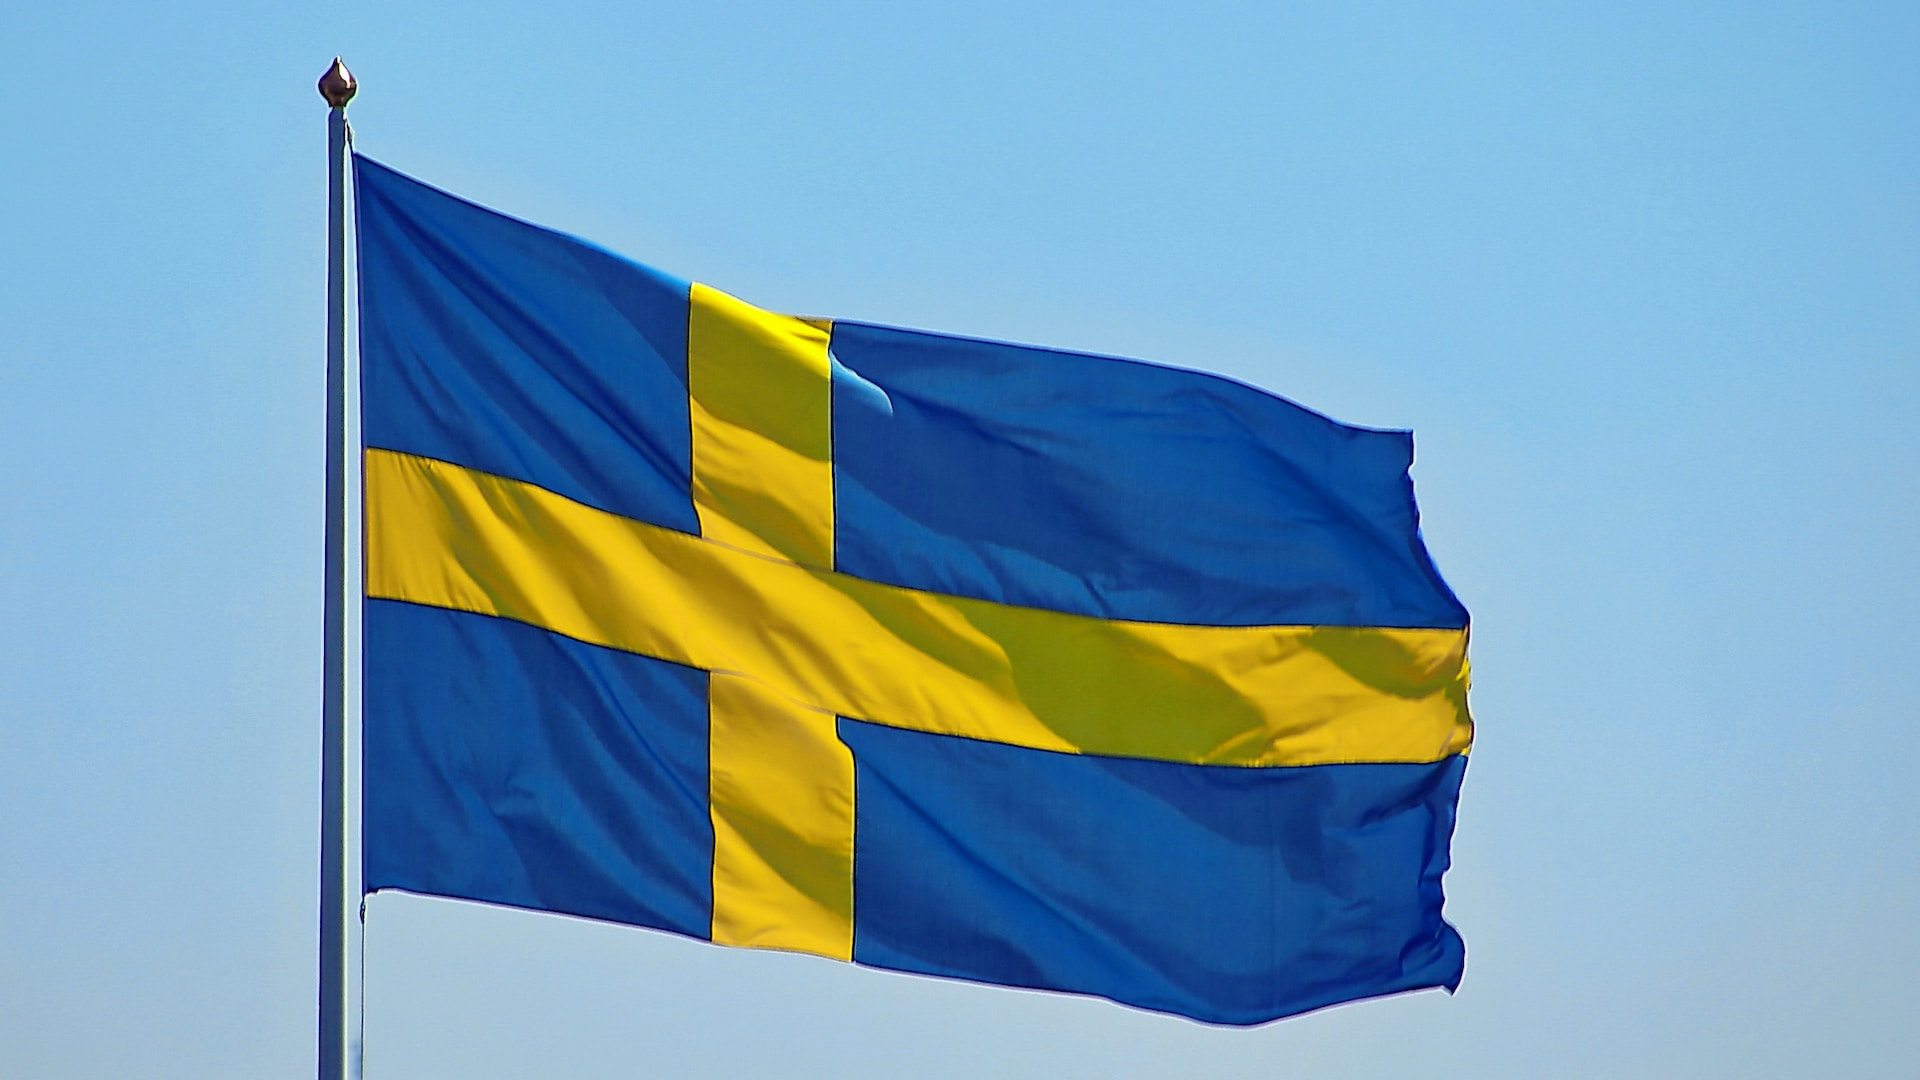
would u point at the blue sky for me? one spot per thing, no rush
(1643, 279)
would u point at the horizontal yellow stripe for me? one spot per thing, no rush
(451, 537)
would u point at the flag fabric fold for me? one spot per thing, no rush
(934, 654)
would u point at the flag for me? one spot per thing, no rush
(933, 654)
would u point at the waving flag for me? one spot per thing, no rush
(934, 654)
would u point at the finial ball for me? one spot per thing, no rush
(337, 85)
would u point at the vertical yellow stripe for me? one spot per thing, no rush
(780, 784)
(781, 791)
(762, 398)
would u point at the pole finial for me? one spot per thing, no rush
(338, 85)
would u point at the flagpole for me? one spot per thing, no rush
(339, 1019)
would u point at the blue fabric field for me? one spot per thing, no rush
(568, 747)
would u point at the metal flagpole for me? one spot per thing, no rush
(339, 1057)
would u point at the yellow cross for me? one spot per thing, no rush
(790, 644)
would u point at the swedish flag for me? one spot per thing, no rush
(935, 654)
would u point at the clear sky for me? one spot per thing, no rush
(1644, 278)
